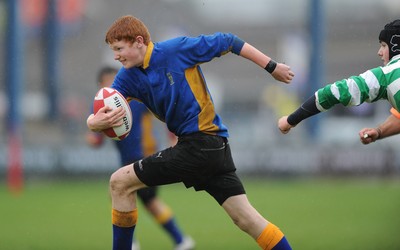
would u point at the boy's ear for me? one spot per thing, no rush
(139, 39)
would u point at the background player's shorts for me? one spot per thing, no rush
(147, 194)
(198, 160)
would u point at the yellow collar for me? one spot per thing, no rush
(147, 56)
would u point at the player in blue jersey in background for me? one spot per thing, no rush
(139, 143)
(166, 76)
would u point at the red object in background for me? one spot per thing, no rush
(15, 178)
(34, 12)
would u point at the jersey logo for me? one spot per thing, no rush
(395, 41)
(159, 155)
(170, 78)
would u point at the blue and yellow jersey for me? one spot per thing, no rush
(141, 141)
(171, 84)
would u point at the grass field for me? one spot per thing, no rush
(334, 214)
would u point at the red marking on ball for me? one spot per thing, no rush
(112, 98)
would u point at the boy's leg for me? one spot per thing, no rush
(123, 227)
(123, 186)
(246, 217)
(164, 216)
(227, 189)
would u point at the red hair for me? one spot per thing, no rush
(127, 28)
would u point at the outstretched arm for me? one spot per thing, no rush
(281, 72)
(307, 109)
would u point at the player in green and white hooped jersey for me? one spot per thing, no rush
(373, 85)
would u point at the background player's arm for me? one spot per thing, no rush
(94, 139)
(282, 71)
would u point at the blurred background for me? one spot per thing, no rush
(51, 51)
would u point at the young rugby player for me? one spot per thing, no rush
(139, 143)
(167, 78)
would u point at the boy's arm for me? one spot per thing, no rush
(307, 109)
(391, 126)
(281, 72)
(349, 92)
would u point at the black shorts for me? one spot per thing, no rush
(198, 160)
(147, 194)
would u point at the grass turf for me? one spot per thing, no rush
(335, 214)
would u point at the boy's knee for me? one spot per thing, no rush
(122, 182)
(117, 183)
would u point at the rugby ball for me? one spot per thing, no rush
(112, 98)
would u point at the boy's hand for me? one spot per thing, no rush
(283, 73)
(105, 118)
(283, 125)
(368, 135)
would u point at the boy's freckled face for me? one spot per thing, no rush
(127, 53)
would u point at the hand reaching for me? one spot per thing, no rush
(283, 125)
